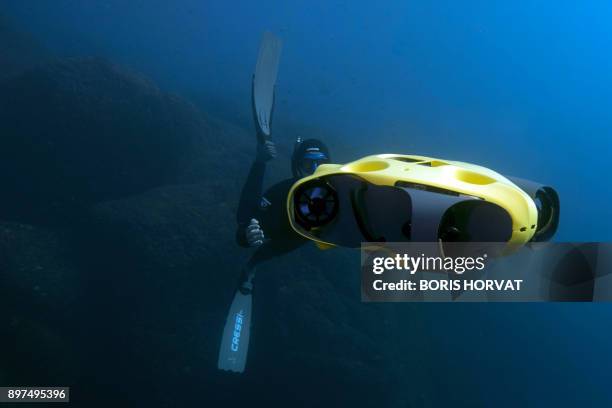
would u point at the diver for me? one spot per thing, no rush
(262, 216)
(263, 224)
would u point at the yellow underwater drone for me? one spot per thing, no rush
(381, 198)
(396, 198)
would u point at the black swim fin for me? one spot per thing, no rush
(264, 81)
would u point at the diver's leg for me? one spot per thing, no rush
(236, 333)
(262, 97)
(261, 255)
(250, 196)
(264, 80)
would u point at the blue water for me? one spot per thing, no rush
(522, 87)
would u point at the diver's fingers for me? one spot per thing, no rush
(256, 239)
(251, 229)
(255, 233)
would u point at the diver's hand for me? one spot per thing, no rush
(254, 234)
(266, 151)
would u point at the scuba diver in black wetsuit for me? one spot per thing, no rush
(262, 219)
(263, 223)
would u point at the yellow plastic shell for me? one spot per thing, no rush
(463, 178)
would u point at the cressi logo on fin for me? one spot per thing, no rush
(238, 320)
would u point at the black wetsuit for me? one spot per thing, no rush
(270, 209)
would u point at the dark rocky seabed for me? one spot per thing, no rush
(118, 260)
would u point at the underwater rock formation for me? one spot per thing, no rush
(172, 227)
(40, 288)
(78, 131)
(224, 149)
(38, 268)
